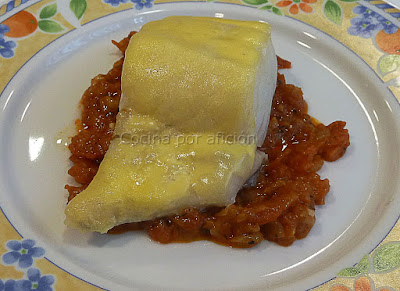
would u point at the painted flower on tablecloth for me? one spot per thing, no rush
(364, 11)
(388, 27)
(4, 29)
(14, 285)
(35, 282)
(39, 282)
(22, 253)
(296, 6)
(139, 4)
(363, 27)
(361, 284)
(143, 3)
(6, 46)
(115, 2)
(368, 22)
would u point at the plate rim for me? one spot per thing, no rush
(219, 3)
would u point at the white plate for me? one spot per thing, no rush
(41, 101)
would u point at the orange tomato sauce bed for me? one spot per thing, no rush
(280, 208)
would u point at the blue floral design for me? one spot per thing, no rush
(4, 29)
(22, 252)
(139, 4)
(17, 285)
(38, 282)
(6, 46)
(364, 11)
(362, 27)
(115, 2)
(35, 282)
(142, 3)
(368, 22)
(388, 27)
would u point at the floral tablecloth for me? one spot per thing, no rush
(371, 28)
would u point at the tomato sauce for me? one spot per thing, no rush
(279, 208)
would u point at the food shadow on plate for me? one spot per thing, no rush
(80, 239)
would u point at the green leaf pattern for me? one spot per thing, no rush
(277, 11)
(333, 11)
(48, 11)
(387, 257)
(50, 26)
(78, 7)
(71, 10)
(384, 259)
(255, 2)
(266, 7)
(46, 23)
(389, 63)
(361, 268)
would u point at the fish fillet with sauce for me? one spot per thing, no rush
(196, 100)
